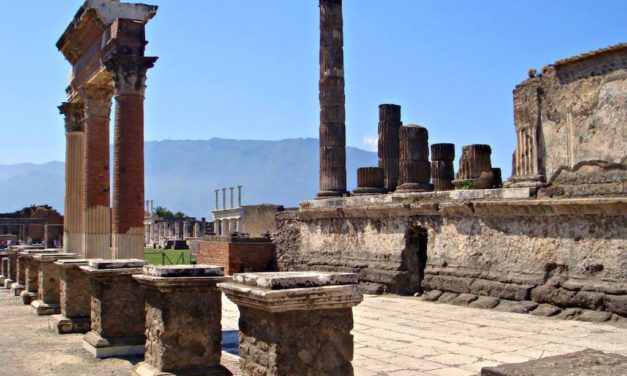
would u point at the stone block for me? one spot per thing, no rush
(546, 310)
(501, 290)
(48, 286)
(485, 302)
(582, 363)
(272, 341)
(464, 299)
(117, 308)
(432, 296)
(183, 327)
(74, 297)
(447, 297)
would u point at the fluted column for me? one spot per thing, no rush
(442, 170)
(414, 166)
(369, 181)
(475, 167)
(129, 75)
(388, 150)
(73, 213)
(332, 111)
(96, 188)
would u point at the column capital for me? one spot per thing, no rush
(97, 100)
(129, 73)
(74, 113)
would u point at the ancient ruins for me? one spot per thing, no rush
(549, 241)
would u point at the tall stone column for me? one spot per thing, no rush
(96, 189)
(414, 166)
(74, 114)
(129, 75)
(332, 111)
(388, 148)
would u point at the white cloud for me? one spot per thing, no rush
(370, 143)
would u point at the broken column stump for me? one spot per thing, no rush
(295, 321)
(414, 166)
(28, 270)
(475, 168)
(117, 308)
(370, 181)
(48, 289)
(442, 170)
(74, 299)
(183, 313)
(388, 145)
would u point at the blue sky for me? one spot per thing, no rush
(248, 69)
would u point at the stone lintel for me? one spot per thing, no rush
(52, 257)
(291, 280)
(173, 284)
(198, 270)
(296, 299)
(71, 263)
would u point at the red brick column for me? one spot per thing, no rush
(96, 190)
(129, 75)
(74, 114)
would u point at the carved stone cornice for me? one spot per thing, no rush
(97, 100)
(74, 114)
(129, 73)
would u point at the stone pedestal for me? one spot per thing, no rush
(4, 267)
(117, 308)
(442, 170)
(475, 168)
(388, 148)
(370, 180)
(11, 275)
(74, 299)
(49, 277)
(28, 274)
(183, 313)
(20, 275)
(414, 166)
(295, 321)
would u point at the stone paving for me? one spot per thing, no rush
(398, 336)
(394, 336)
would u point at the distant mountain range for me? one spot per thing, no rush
(182, 175)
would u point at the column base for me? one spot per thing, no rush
(413, 187)
(330, 194)
(16, 289)
(363, 191)
(145, 369)
(28, 297)
(2, 279)
(110, 347)
(63, 325)
(43, 309)
(8, 283)
(129, 245)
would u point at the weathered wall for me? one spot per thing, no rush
(259, 219)
(577, 109)
(236, 257)
(541, 250)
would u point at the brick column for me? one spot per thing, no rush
(129, 75)
(332, 111)
(74, 114)
(96, 189)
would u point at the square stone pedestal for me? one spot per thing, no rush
(11, 264)
(295, 323)
(183, 313)
(74, 299)
(28, 274)
(49, 277)
(20, 275)
(4, 267)
(117, 308)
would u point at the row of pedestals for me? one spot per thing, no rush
(293, 323)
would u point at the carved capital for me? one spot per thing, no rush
(74, 114)
(97, 100)
(129, 73)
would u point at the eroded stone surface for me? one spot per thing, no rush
(290, 280)
(101, 264)
(198, 270)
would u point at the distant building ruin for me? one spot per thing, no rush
(40, 224)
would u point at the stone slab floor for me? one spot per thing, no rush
(393, 336)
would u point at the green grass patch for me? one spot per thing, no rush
(167, 256)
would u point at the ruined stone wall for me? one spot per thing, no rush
(259, 219)
(545, 252)
(576, 109)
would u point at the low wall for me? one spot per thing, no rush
(236, 257)
(566, 252)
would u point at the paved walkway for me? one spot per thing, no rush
(398, 336)
(394, 336)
